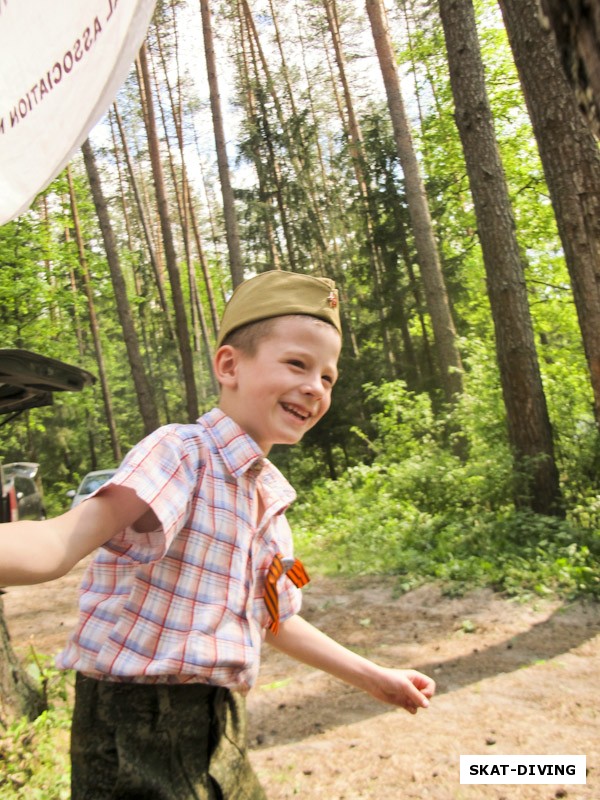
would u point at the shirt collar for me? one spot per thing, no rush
(240, 452)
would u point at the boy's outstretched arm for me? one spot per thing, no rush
(37, 551)
(299, 639)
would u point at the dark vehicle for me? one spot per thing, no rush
(23, 478)
(9, 510)
(28, 380)
(30, 504)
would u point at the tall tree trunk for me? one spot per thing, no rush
(333, 212)
(145, 399)
(427, 253)
(90, 417)
(53, 310)
(231, 225)
(576, 27)
(571, 163)
(178, 117)
(181, 196)
(18, 695)
(94, 327)
(181, 324)
(529, 428)
(263, 127)
(187, 223)
(137, 268)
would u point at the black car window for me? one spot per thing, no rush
(24, 486)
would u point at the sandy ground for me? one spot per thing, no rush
(513, 679)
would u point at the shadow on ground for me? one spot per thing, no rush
(312, 703)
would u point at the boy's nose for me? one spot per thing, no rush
(313, 385)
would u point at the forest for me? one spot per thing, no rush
(432, 158)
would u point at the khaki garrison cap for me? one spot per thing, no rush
(276, 294)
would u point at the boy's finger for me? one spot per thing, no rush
(424, 684)
(415, 698)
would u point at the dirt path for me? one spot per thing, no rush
(513, 679)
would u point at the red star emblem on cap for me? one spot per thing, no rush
(332, 300)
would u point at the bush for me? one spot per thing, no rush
(35, 755)
(421, 512)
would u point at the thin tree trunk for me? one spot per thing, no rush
(427, 253)
(231, 225)
(198, 321)
(94, 327)
(256, 95)
(529, 428)
(192, 220)
(53, 309)
(181, 324)
(145, 399)
(90, 417)
(137, 268)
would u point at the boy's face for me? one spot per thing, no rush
(282, 390)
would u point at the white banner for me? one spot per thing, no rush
(61, 65)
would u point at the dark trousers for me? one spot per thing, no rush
(159, 742)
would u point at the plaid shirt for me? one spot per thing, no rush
(185, 602)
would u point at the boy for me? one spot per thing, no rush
(195, 567)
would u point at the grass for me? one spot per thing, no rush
(514, 552)
(35, 755)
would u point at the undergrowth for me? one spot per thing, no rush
(421, 512)
(35, 754)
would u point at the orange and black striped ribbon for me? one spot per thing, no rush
(292, 567)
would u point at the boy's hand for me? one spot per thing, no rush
(406, 688)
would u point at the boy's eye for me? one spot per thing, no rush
(328, 379)
(294, 362)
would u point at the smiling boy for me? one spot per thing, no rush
(284, 389)
(195, 567)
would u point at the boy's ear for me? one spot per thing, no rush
(225, 365)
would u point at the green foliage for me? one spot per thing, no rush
(35, 755)
(389, 445)
(399, 497)
(421, 513)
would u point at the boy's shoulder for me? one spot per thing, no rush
(171, 442)
(213, 431)
(175, 435)
(214, 442)
(186, 431)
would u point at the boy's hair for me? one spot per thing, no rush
(248, 337)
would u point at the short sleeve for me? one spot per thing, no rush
(163, 470)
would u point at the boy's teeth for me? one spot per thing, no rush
(295, 412)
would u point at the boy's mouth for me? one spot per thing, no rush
(296, 412)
